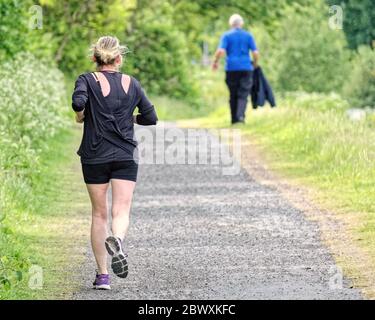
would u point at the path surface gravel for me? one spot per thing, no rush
(198, 234)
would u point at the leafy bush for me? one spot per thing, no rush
(159, 55)
(304, 53)
(359, 21)
(360, 85)
(73, 25)
(31, 110)
(17, 36)
(315, 101)
(13, 24)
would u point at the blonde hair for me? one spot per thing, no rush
(107, 49)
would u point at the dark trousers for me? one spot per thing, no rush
(239, 84)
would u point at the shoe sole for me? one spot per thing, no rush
(102, 287)
(119, 263)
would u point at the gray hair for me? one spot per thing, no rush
(236, 20)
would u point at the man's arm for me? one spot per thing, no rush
(218, 55)
(220, 52)
(254, 51)
(255, 55)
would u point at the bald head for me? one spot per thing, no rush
(236, 21)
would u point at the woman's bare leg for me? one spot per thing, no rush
(122, 195)
(99, 229)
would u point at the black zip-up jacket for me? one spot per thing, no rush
(108, 133)
(261, 90)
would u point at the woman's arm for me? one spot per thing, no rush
(147, 114)
(79, 98)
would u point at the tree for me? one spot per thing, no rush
(359, 21)
(159, 51)
(13, 28)
(360, 87)
(73, 25)
(306, 54)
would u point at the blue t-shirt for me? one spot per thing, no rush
(237, 44)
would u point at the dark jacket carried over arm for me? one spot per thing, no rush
(261, 91)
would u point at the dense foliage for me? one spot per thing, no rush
(165, 38)
(159, 55)
(360, 85)
(359, 21)
(13, 23)
(32, 107)
(73, 26)
(304, 53)
(22, 30)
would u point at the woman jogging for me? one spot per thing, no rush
(104, 101)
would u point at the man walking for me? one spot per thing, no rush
(237, 44)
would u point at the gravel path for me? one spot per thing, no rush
(198, 234)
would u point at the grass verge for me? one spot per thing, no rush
(47, 225)
(317, 145)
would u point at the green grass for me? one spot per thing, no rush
(308, 137)
(45, 217)
(319, 146)
(172, 109)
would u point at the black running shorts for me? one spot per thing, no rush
(103, 172)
